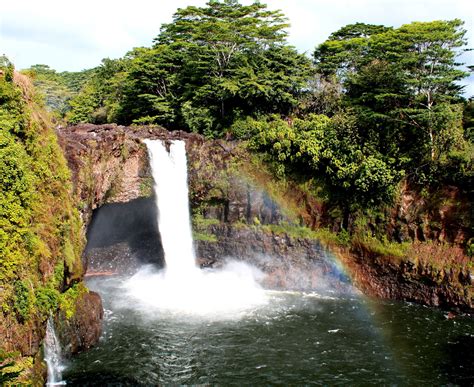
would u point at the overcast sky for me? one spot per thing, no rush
(74, 35)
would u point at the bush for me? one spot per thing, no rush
(47, 300)
(22, 301)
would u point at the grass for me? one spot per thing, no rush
(293, 231)
(204, 237)
(201, 227)
(382, 247)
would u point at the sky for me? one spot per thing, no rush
(75, 35)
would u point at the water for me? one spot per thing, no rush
(221, 293)
(295, 338)
(171, 190)
(183, 325)
(52, 355)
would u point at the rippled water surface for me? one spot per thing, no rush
(296, 338)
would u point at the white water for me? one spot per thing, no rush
(171, 190)
(52, 356)
(183, 288)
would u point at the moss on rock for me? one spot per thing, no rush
(41, 236)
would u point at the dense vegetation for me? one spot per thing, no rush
(40, 229)
(375, 106)
(58, 88)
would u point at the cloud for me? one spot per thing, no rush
(45, 34)
(77, 35)
(312, 21)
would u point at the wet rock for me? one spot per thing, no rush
(81, 331)
(383, 277)
(288, 263)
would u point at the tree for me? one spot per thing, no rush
(149, 87)
(430, 61)
(321, 95)
(402, 84)
(214, 64)
(346, 50)
(56, 88)
(100, 96)
(330, 149)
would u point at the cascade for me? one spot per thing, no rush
(171, 191)
(52, 355)
(182, 287)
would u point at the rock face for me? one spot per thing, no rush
(289, 263)
(442, 216)
(382, 277)
(231, 199)
(82, 330)
(123, 237)
(41, 236)
(106, 164)
(110, 164)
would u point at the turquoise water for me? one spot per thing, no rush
(296, 338)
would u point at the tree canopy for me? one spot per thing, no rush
(402, 83)
(375, 105)
(213, 64)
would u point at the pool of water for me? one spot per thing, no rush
(294, 338)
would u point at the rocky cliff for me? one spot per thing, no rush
(240, 210)
(41, 238)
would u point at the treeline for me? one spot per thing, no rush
(372, 106)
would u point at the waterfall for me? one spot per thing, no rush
(183, 288)
(52, 355)
(171, 188)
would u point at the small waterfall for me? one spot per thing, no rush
(171, 188)
(52, 355)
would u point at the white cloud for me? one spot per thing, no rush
(312, 21)
(76, 35)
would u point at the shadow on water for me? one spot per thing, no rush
(124, 235)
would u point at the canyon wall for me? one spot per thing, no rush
(240, 210)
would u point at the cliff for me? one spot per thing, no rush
(41, 237)
(414, 252)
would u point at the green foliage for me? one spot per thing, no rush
(468, 120)
(57, 89)
(323, 146)
(200, 223)
(68, 299)
(40, 231)
(383, 247)
(9, 371)
(245, 128)
(321, 95)
(201, 227)
(47, 300)
(401, 85)
(198, 120)
(470, 248)
(83, 106)
(100, 94)
(197, 80)
(22, 300)
(204, 237)
(291, 230)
